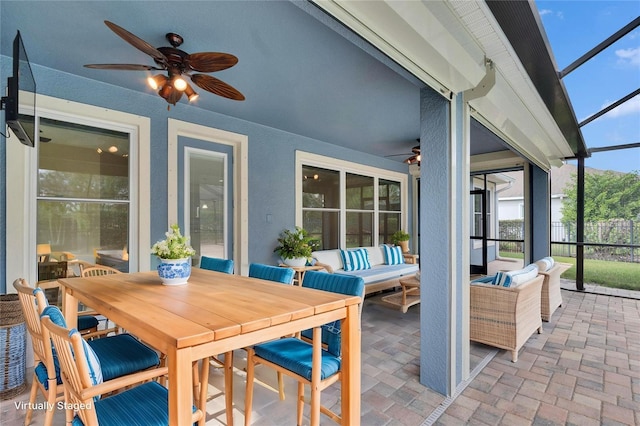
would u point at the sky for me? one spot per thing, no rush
(573, 27)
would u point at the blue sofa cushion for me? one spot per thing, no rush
(296, 355)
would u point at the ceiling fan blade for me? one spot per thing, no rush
(126, 67)
(218, 87)
(137, 42)
(211, 61)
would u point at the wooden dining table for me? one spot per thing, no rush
(215, 313)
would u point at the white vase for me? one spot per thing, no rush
(174, 271)
(297, 262)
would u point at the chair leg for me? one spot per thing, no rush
(315, 376)
(281, 386)
(196, 381)
(300, 402)
(52, 394)
(248, 397)
(32, 400)
(228, 386)
(204, 385)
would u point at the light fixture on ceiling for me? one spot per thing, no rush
(178, 64)
(113, 149)
(416, 157)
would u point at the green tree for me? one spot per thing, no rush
(607, 195)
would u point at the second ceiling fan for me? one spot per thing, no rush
(178, 64)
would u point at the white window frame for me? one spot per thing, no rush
(343, 167)
(22, 170)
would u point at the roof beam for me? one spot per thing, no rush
(600, 47)
(609, 108)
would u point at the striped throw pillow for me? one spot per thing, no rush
(393, 254)
(355, 260)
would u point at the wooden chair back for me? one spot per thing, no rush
(32, 303)
(74, 370)
(98, 270)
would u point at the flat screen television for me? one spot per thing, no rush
(20, 84)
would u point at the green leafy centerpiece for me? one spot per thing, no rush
(175, 254)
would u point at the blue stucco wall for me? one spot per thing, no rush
(271, 155)
(540, 190)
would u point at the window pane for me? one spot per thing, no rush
(89, 231)
(323, 226)
(359, 192)
(359, 229)
(389, 195)
(320, 188)
(82, 162)
(389, 224)
(81, 169)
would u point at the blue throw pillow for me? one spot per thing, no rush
(393, 255)
(355, 260)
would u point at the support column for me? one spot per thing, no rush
(444, 176)
(540, 214)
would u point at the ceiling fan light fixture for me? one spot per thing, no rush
(179, 83)
(165, 91)
(191, 94)
(157, 81)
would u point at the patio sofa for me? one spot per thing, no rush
(505, 309)
(383, 273)
(551, 296)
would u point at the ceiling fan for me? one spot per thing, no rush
(414, 157)
(178, 64)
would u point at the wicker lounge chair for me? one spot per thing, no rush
(505, 317)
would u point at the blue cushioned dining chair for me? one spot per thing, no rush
(216, 264)
(119, 355)
(144, 404)
(293, 356)
(271, 273)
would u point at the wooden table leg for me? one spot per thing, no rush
(180, 386)
(351, 347)
(69, 308)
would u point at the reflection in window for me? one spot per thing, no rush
(83, 194)
(367, 221)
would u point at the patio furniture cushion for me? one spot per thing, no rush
(86, 322)
(123, 354)
(355, 260)
(545, 263)
(216, 264)
(144, 405)
(517, 277)
(484, 280)
(383, 272)
(295, 355)
(95, 369)
(331, 258)
(393, 255)
(41, 374)
(272, 273)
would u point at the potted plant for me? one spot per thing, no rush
(401, 238)
(175, 254)
(294, 247)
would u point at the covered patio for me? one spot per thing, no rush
(584, 369)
